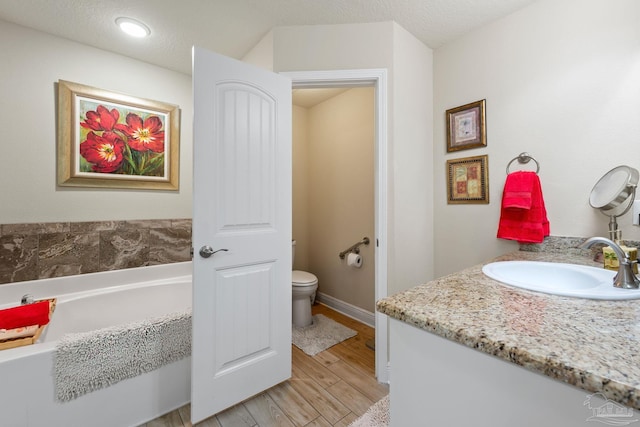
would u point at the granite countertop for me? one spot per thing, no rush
(594, 345)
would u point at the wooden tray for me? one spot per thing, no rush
(21, 341)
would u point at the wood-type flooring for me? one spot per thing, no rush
(332, 388)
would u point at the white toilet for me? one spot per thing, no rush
(304, 286)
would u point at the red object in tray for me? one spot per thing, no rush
(25, 315)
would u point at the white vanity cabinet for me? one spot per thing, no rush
(437, 382)
(466, 350)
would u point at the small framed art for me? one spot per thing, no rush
(111, 140)
(466, 127)
(468, 180)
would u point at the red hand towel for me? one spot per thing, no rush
(518, 190)
(25, 315)
(523, 216)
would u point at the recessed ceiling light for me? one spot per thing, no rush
(132, 27)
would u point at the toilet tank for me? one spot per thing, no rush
(293, 252)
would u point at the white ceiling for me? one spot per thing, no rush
(233, 27)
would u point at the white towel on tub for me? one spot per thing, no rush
(89, 361)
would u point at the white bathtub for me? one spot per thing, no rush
(87, 302)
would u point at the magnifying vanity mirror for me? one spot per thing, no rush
(614, 194)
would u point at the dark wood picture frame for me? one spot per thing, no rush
(466, 127)
(468, 180)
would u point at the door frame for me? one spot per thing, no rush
(376, 78)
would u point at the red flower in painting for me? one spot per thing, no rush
(143, 136)
(101, 119)
(104, 151)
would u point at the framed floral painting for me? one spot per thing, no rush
(466, 127)
(112, 140)
(468, 180)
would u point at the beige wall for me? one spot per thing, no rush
(410, 178)
(412, 163)
(340, 194)
(300, 183)
(561, 80)
(31, 63)
(333, 47)
(261, 55)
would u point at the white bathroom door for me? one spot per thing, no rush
(242, 209)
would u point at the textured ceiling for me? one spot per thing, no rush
(233, 27)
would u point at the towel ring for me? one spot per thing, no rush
(523, 158)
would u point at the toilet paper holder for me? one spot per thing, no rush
(354, 248)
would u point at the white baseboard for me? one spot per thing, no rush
(347, 309)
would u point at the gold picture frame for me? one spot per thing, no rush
(111, 140)
(468, 180)
(466, 127)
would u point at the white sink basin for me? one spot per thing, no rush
(569, 280)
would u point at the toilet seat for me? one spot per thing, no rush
(303, 279)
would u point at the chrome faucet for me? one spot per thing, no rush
(625, 278)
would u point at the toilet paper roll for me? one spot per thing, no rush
(354, 260)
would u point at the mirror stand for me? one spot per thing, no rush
(610, 194)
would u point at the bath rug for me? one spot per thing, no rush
(320, 335)
(376, 416)
(89, 361)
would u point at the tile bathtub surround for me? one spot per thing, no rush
(43, 250)
(593, 345)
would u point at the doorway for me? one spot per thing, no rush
(375, 78)
(333, 186)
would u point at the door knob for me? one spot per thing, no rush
(206, 251)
